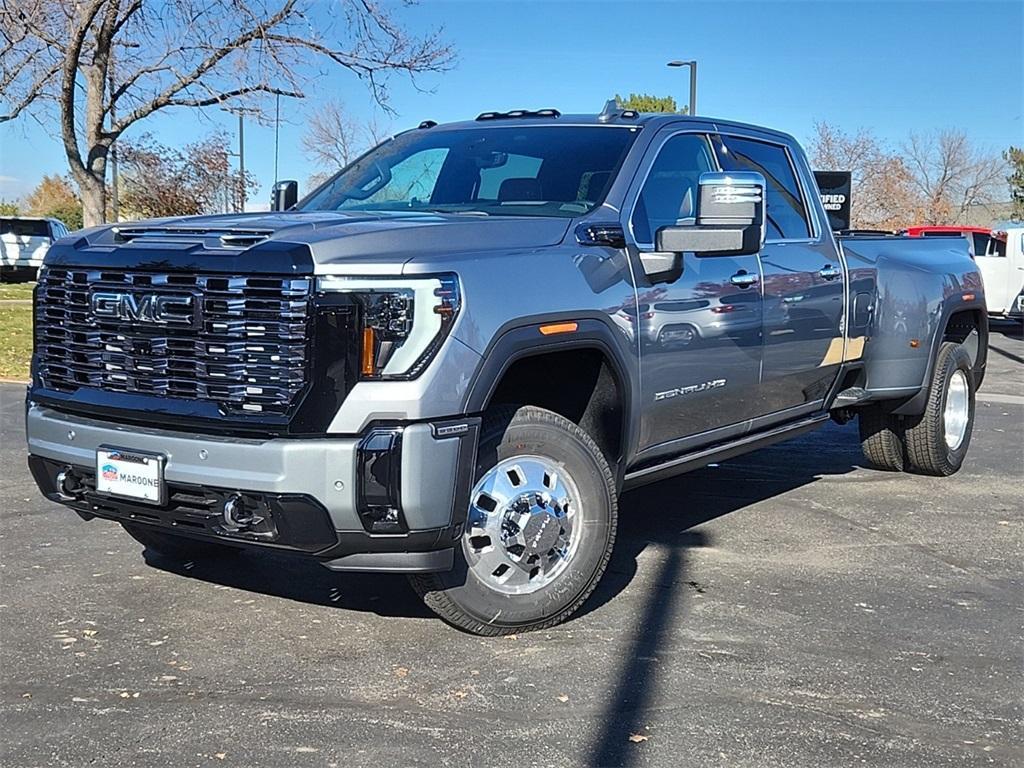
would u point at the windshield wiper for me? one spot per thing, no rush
(452, 212)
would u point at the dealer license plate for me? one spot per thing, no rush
(130, 474)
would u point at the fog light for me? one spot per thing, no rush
(380, 481)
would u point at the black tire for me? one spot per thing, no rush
(881, 437)
(177, 547)
(928, 452)
(465, 601)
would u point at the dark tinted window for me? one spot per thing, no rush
(785, 209)
(24, 227)
(980, 243)
(497, 170)
(669, 194)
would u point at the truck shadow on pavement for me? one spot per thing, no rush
(660, 515)
(665, 516)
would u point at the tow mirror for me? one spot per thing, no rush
(285, 195)
(729, 221)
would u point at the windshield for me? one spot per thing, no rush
(499, 170)
(25, 227)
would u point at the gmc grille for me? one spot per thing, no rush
(244, 347)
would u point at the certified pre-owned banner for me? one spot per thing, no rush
(835, 187)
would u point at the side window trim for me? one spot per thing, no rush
(653, 151)
(814, 225)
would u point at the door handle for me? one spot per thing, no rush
(743, 279)
(828, 272)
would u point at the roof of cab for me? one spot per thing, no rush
(654, 120)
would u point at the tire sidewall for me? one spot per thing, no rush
(954, 359)
(595, 524)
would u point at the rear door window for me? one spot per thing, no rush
(785, 207)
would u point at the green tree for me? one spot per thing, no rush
(69, 213)
(8, 208)
(644, 102)
(1015, 157)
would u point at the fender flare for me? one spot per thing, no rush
(522, 338)
(916, 404)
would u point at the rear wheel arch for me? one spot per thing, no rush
(961, 323)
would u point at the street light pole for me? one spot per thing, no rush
(241, 162)
(115, 204)
(277, 131)
(693, 82)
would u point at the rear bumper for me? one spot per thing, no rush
(311, 491)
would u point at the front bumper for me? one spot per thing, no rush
(311, 489)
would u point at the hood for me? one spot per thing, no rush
(298, 242)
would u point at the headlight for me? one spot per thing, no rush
(402, 321)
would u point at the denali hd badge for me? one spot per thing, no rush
(669, 393)
(178, 310)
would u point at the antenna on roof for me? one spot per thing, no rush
(611, 109)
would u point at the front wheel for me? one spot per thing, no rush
(539, 531)
(937, 440)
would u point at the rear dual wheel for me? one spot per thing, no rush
(539, 531)
(936, 441)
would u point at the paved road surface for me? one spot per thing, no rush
(790, 607)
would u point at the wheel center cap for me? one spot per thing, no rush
(541, 531)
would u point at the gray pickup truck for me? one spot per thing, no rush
(452, 358)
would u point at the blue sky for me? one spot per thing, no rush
(893, 67)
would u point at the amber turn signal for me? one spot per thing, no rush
(552, 328)
(366, 366)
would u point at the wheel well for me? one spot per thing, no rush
(966, 327)
(579, 384)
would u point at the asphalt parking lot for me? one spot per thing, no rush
(787, 608)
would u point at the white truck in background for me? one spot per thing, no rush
(23, 243)
(1002, 270)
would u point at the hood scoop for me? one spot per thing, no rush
(226, 237)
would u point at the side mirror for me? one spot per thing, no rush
(730, 218)
(284, 196)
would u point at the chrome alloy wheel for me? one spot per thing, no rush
(957, 410)
(523, 526)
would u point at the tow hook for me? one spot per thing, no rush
(69, 485)
(236, 516)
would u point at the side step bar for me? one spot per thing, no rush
(746, 444)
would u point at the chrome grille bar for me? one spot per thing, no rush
(248, 351)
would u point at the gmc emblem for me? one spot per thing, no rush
(152, 308)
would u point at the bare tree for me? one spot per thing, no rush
(162, 181)
(334, 138)
(950, 176)
(882, 196)
(106, 65)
